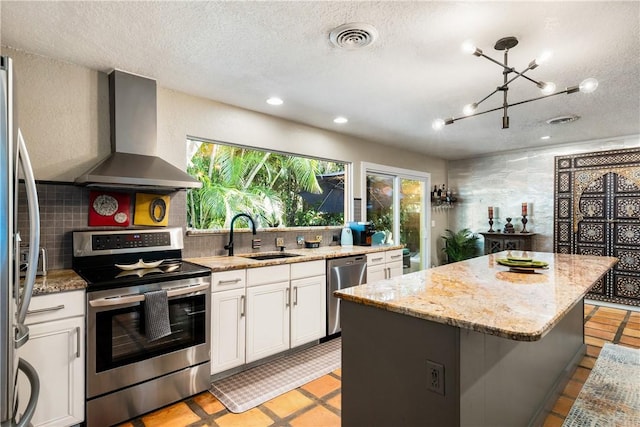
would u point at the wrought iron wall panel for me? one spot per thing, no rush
(597, 212)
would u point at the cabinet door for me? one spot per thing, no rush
(376, 272)
(227, 330)
(394, 269)
(267, 320)
(56, 351)
(308, 309)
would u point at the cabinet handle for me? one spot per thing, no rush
(78, 343)
(229, 282)
(44, 310)
(376, 259)
(243, 305)
(287, 298)
(395, 256)
(295, 295)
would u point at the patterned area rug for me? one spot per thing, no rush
(611, 394)
(248, 389)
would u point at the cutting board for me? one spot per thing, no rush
(152, 209)
(109, 209)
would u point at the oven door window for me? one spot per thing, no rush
(120, 333)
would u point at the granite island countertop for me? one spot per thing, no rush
(484, 296)
(225, 263)
(58, 281)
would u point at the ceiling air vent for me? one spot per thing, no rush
(562, 120)
(353, 36)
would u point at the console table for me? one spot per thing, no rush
(498, 242)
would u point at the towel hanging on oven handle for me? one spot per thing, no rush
(129, 298)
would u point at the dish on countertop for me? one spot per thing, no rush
(529, 264)
(139, 265)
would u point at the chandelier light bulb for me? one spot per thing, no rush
(437, 124)
(469, 109)
(468, 47)
(547, 88)
(588, 85)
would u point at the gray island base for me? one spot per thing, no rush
(413, 355)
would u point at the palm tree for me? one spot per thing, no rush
(244, 180)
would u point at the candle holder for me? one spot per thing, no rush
(491, 230)
(524, 224)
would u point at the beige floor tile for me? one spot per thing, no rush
(322, 386)
(338, 372)
(563, 405)
(613, 313)
(588, 362)
(606, 320)
(572, 389)
(596, 342)
(631, 332)
(208, 403)
(630, 341)
(581, 374)
(593, 351)
(602, 326)
(252, 418)
(174, 415)
(553, 420)
(316, 417)
(336, 402)
(288, 403)
(598, 333)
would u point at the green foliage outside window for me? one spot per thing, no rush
(266, 185)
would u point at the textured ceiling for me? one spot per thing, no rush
(240, 53)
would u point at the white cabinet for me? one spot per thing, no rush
(228, 329)
(309, 299)
(267, 319)
(228, 321)
(384, 265)
(259, 312)
(56, 350)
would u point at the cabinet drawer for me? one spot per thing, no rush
(375, 258)
(226, 280)
(44, 308)
(393, 256)
(301, 270)
(264, 275)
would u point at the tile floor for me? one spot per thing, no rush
(318, 403)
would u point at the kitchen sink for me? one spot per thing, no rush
(276, 255)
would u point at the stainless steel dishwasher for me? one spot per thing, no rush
(342, 273)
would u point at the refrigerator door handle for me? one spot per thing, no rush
(34, 229)
(32, 376)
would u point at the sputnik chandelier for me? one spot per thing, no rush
(548, 89)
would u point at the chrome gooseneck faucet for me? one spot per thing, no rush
(229, 247)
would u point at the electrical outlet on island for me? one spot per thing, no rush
(280, 243)
(435, 377)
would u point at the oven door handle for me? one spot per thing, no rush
(131, 298)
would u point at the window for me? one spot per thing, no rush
(276, 189)
(396, 204)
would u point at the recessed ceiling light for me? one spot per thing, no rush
(545, 137)
(274, 101)
(340, 120)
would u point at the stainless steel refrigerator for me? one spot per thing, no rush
(14, 295)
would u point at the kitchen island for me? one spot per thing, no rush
(465, 344)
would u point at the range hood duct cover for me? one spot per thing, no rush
(133, 163)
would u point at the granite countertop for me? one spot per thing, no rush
(58, 281)
(225, 263)
(484, 296)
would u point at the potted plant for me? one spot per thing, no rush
(460, 245)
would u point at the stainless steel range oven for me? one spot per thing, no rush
(129, 373)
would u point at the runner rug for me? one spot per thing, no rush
(611, 394)
(248, 389)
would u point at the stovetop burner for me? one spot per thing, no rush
(96, 254)
(105, 277)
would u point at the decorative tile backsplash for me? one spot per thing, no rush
(64, 208)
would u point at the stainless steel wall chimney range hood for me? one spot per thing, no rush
(133, 163)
